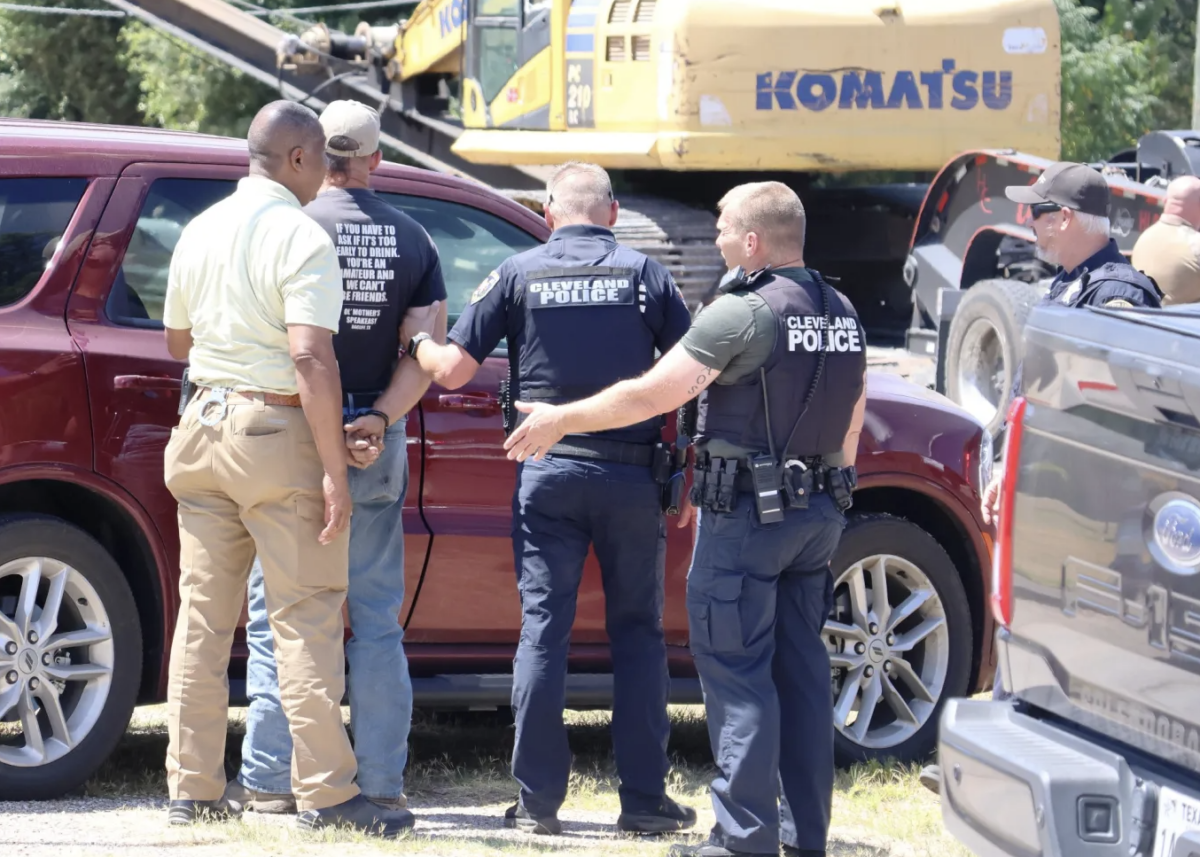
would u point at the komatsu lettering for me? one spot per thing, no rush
(862, 89)
(810, 333)
(450, 17)
(597, 291)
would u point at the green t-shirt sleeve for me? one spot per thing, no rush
(720, 332)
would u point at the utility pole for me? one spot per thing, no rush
(1196, 76)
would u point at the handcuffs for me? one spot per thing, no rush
(216, 396)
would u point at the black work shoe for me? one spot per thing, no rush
(181, 812)
(517, 816)
(789, 851)
(668, 818)
(359, 814)
(707, 849)
(931, 778)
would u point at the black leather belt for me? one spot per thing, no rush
(599, 449)
(358, 401)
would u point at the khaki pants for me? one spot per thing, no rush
(252, 483)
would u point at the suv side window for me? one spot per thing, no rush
(34, 215)
(471, 243)
(140, 288)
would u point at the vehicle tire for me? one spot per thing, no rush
(985, 345)
(928, 660)
(77, 668)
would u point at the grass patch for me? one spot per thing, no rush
(458, 784)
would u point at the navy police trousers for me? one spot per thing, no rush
(758, 597)
(562, 505)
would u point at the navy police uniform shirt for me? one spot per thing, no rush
(497, 308)
(1104, 279)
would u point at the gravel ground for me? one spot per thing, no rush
(98, 827)
(916, 368)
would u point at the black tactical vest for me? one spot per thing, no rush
(735, 412)
(1086, 290)
(584, 332)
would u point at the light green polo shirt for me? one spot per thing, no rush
(243, 270)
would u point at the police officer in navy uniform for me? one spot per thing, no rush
(580, 313)
(781, 358)
(1069, 204)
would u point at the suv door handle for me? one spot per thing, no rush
(146, 382)
(467, 402)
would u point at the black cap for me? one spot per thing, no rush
(1074, 186)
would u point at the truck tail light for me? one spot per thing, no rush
(1002, 601)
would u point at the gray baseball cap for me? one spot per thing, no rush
(354, 122)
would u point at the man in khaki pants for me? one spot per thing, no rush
(258, 464)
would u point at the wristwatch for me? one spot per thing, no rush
(411, 351)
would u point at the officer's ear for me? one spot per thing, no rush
(614, 210)
(1067, 216)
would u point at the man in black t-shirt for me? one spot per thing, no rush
(390, 271)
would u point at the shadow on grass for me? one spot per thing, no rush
(452, 756)
(463, 758)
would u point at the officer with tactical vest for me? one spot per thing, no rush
(580, 313)
(781, 359)
(1068, 205)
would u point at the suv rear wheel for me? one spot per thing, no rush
(899, 639)
(70, 656)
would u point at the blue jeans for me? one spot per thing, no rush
(562, 505)
(758, 596)
(380, 688)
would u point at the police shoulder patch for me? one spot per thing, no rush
(1118, 302)
(486, 286)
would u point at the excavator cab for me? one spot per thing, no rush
(506, 64)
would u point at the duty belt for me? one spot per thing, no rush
(718, 482)
(599, 449)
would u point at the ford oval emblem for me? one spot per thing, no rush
(1175, 539)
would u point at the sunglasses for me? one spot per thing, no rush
(1039, 208)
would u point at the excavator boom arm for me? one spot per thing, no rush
(431, 40)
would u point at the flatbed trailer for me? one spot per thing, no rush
(973, 271)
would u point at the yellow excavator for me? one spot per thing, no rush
(684, 98)
(726, 85)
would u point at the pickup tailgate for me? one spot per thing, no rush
(1106, 619)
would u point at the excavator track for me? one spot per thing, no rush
(677, 236)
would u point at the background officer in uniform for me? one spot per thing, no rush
(258, 465)
(378, 392)
(580, 313)
(1169, 251)
(1069, 206)
(778, 435)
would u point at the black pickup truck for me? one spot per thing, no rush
(1096, 587)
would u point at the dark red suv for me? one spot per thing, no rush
(88, 543)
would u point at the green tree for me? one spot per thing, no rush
(183, 88)
(1168, 28)
(63, 67)
(1110, 85)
